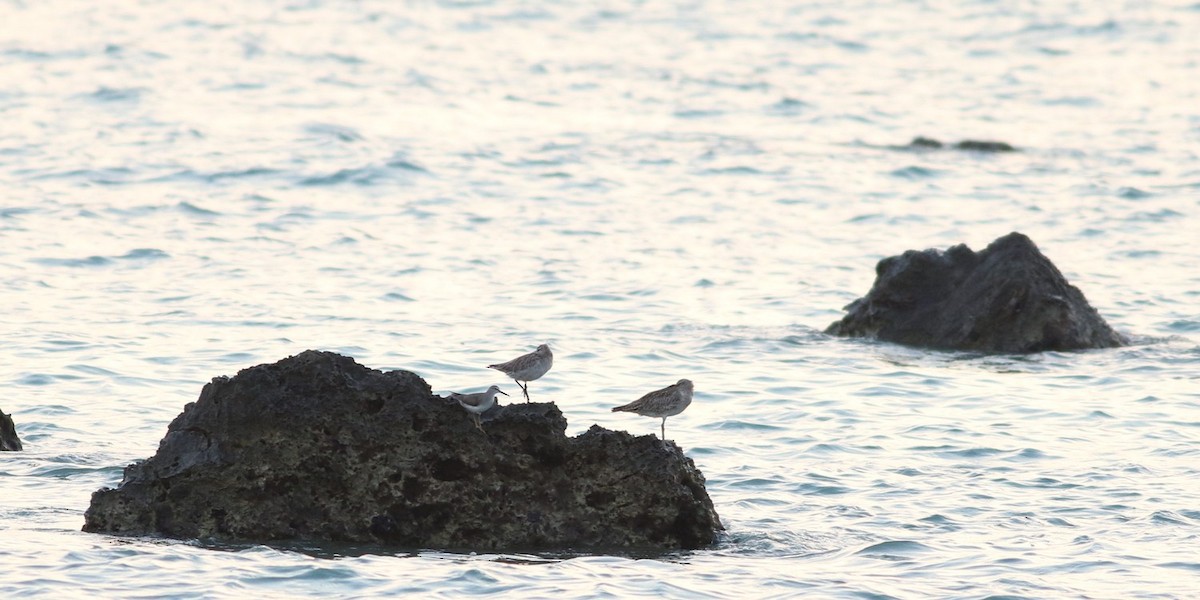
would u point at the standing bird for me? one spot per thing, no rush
(663, 403)
(527, 367)
(477, 403)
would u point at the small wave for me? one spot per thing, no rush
(788, 107)
(822, 490)
(113, 95)
(1130, 193)
(144, 254)
(827, 448)
(1157, 216)
(1073, 101)
(732, 425)
(192, 209)
(754, 483)
(52, 410)
(914, 173)
(1184, 326)
(1027, 454)
(93, 370)
(43, 379)
(338, 132)
(938, 519)
(91, 261)
(604, 297)
(738, 170)
(64, 345)
(41, 55)
(16, 211)
(58, 471)
(216, 176)
(1170, 517)
(402, 162)
(698, 113)
(138, 254)
(103, 176)
(894, 549)
(1187, 566)
(359, 176)
(522, 100)
(979, 452)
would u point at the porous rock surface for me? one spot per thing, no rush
(8, 434)
(318, 447)
(1006, 298)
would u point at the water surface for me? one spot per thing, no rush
(658, 190)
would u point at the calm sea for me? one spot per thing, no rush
(657, 189)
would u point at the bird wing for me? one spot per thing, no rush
(515, 364)
(649, 399)
(467, 399)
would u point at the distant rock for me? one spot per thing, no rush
(8, 434)
(970, 145)
(984, 146)
(319, 448)
(1006, 298)
(924, 142)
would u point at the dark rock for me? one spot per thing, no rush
(924, 143)
(8, 434)
(1007, 298)
(984, 146)
(319, 448)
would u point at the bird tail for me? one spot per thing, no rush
(624, 408)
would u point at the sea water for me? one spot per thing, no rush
(658, 190)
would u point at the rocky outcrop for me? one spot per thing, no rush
(971, 145)
(8, 434)
(319, 448)
(1006, 298)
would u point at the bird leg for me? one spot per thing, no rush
(478, 423)
(524, 388)
(664, 429)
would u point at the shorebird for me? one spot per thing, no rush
(527, 367)
(477, 403)
(663, 403)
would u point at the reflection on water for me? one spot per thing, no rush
(657, 191)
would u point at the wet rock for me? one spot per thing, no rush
(8, 434)
(924, 142)
(984, 146)
(970, 145)
(319, 448)
(1006, 298)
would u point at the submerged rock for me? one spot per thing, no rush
(984, 146)
(971, 145)
(318, 447)
(1006, 298)
(8, 434)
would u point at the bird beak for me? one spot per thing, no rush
(502, 392)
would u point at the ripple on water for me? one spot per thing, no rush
(196, 210)
(894, 550)
(44, 379)
(736, 425)
(107, 95)
(915, 173)
(691, 203)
